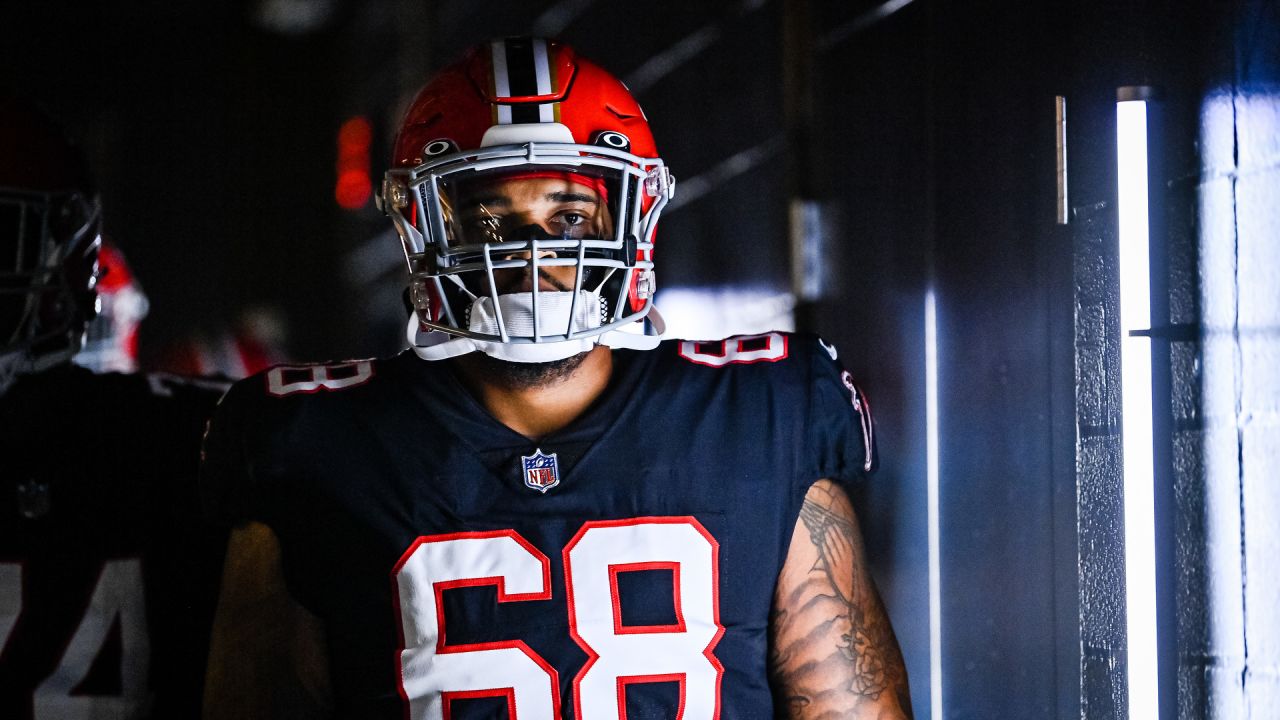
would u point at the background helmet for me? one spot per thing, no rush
(111, 338)
(514, 108)
(49, 239)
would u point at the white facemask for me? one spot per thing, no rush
(516, 310)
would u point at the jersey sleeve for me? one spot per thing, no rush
(840, 435)
(226, 480)
(184, 406)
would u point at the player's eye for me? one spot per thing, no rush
(571, 223)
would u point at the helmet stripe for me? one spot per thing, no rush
(541, 67)
(542, 74)
(522, 68)
(521, 72)
(501, 79)
(525, 113)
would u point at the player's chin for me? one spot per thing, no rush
(522, 376)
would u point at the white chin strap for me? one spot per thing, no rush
(516, 310)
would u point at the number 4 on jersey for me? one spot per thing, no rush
(435, 672)
(117, 598)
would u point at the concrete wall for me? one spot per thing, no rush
(1238, 658)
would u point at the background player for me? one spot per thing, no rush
(542, 509)
(107, 578)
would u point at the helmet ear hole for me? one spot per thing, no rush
(612, 139)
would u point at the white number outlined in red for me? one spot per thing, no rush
(741, 349)
(285, 380)
(648, 653)
(433, 673)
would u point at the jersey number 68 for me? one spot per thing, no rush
(435, 672)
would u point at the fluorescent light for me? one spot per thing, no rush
(710, 313)
(1135, 363)
(931, 463)
(1060, 121)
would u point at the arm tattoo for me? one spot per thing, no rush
(845, 628)
(834, 538)
(778, 658)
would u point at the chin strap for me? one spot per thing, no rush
(516, 310)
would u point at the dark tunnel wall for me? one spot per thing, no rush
(944, 141)
(949, 183)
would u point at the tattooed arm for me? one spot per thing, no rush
(833, 653)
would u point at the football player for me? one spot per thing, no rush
(107, 580)
(541, 509)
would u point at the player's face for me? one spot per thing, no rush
(522, 208)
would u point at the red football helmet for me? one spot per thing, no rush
(517, 109)
(49, 223)
(111, 338)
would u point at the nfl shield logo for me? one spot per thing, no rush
(541, 471)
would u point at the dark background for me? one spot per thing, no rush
(924, 130)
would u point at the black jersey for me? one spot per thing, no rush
(107, 576)
(621, 567)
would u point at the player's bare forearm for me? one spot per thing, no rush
(266, 654)
(833, 653)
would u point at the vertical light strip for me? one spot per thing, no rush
(931, 465)
(1135, 362)
(1060, 146)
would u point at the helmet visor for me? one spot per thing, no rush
(528, 219)
(498, 228)
(519, 206)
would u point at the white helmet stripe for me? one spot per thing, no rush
(541, 67)
(542, 70)
(501, 79)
